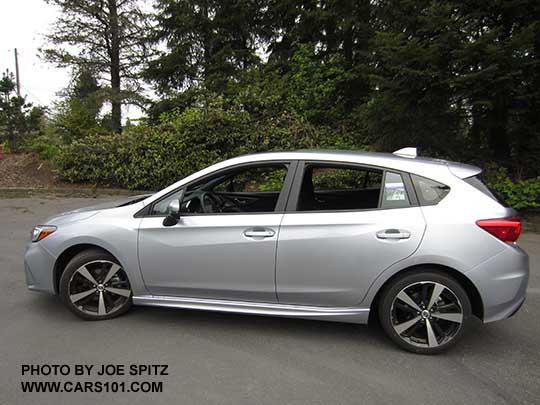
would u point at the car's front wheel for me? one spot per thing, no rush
(425, 312)
(94, 286)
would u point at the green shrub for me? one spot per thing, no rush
(5, 147)
(90, 160)
(153, 156)
(45, 146)
(520, 194)
(156, 156)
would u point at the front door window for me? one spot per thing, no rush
(252, 189)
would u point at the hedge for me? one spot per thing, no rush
(149, 157)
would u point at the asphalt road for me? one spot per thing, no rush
(233, 359)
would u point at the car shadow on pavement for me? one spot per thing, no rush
(171, 321)
(251, 323)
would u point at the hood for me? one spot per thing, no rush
(87, 212)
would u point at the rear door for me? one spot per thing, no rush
(344, 225)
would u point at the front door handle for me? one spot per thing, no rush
(259, 233)
(393, 234)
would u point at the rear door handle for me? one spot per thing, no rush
(259, 233)
(393, 234)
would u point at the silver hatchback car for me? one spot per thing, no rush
(420, 244)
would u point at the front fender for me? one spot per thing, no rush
(117, 234)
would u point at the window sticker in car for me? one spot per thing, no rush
(395, 194)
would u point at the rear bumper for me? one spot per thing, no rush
(502, 283)
(38, 268)
(517, 308)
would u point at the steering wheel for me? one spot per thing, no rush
(227, 204)
(209, 203)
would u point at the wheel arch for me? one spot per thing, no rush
(65, 257)
(477, 304)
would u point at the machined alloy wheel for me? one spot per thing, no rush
(94, 286)
(425, 313)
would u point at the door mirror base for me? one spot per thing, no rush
(170, 220)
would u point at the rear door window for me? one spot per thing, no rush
(395, 193)
(336, 187)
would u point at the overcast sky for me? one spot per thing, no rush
(22, 25)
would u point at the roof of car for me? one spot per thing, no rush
(335, 154)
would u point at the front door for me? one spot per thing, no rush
(350, 223)
(224, 245)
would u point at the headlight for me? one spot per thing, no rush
(42, 231)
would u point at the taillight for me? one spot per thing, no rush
(505, 229)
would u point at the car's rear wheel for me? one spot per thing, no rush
(425, 312)
(94, 286)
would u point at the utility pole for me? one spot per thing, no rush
(17, 73)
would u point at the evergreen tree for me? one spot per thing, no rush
(208, 42)
(106, 36)
(497, 76)
(78, 114)
(14, 112)
(339, 33)
(459, 79)
(413, 102)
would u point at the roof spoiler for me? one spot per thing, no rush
(463, 170)
(406, 153)
(460, 170)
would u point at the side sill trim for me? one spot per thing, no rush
(338, 314)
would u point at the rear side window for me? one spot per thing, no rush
(336, 187)
(429, 192)
(478, 184)
(395, 193)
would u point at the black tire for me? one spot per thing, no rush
(395, 314)
(99, 263)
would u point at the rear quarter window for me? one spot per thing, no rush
(429, 192)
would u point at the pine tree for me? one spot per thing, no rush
(78, 113)
(106, 36)
(412, 102)
(208, 42)
(14, 111)
(498, 76)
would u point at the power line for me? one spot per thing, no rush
(33, 95)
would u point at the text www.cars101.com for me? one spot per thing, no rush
(91, 386)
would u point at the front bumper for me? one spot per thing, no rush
(39, 268)
(502, 283)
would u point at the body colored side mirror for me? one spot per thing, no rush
(174, 208)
